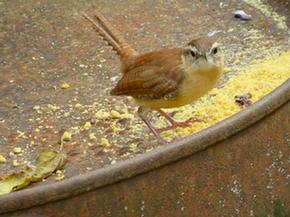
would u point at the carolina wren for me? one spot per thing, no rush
(165, 78)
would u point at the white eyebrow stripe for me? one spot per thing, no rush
(194, 49)
(214, 45)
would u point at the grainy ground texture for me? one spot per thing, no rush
(56, 75)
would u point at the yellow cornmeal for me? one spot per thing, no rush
(259, 79)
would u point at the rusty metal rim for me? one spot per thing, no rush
(122, 170)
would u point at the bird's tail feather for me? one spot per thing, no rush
(109, 34)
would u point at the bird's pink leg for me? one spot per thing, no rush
(142, 113)
(175, 124)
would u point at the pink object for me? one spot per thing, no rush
(242, 15)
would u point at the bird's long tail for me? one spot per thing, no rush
(109, 34)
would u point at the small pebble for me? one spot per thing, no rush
(242, 15)
(244, 100)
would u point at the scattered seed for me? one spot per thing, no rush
(66, 136)
(83, 66)
(36, 107)
(78, 105)
(17, 150)
(65, 85)
(92, 136)
(226, 69)
(53, 107)
(101, 115)
(2, 159)
(15, 163)
(59, 175)
(115, 114)
(114, 79)
(113, 162)
(105, 142)
(87, 126)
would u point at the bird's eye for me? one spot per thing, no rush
(215, 50)
(193, 53)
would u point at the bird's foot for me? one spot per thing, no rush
(175, 124)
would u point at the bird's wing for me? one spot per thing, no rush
(150, 81)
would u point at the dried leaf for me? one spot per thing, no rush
(48, 161)
(15, 181)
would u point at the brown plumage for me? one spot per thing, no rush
(111, 35)
(164, 78)
(203, 43)
(146, 77)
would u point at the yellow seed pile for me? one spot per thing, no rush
(259, 79)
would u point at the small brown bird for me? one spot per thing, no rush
(165, 78)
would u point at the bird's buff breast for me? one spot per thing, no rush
(195, 85)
